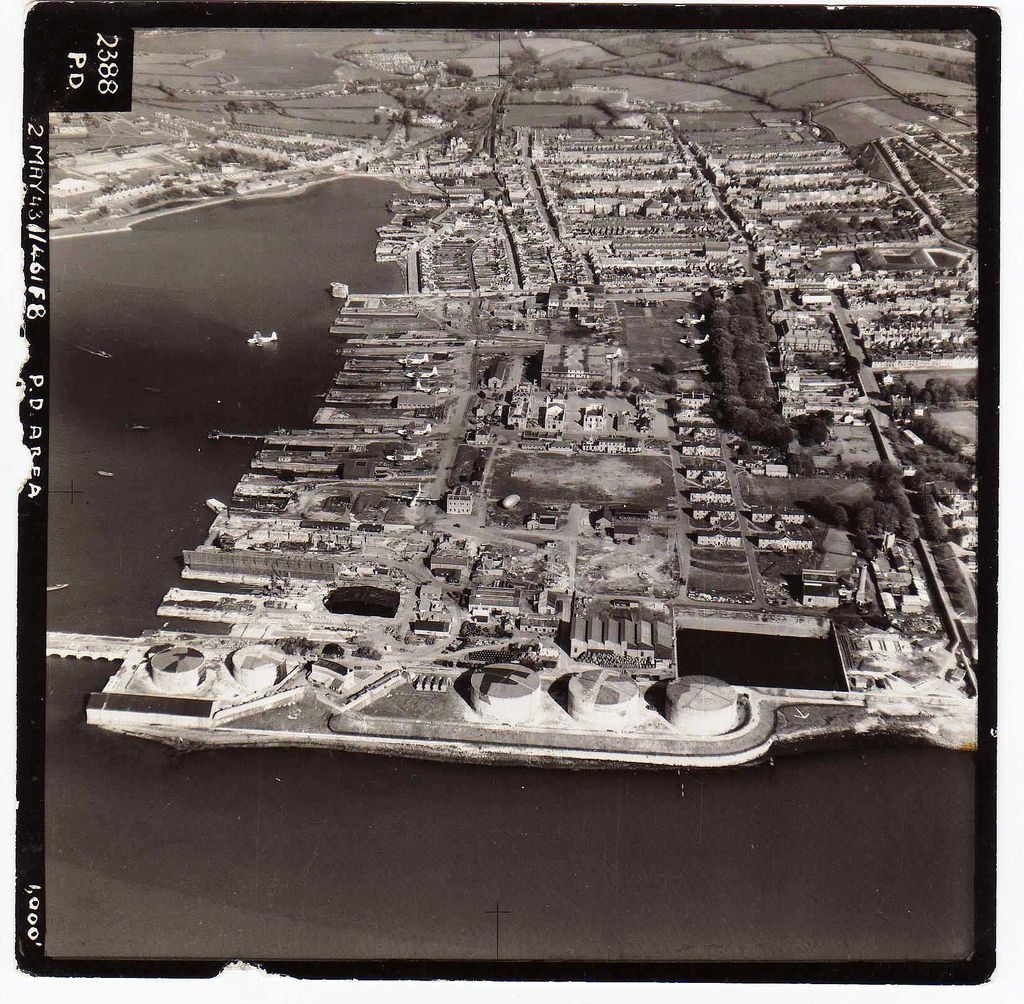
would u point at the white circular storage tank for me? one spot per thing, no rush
(257, 667)
(510, 501)
(505, 692)
(603, 698)
(702, 706)
(176, 669)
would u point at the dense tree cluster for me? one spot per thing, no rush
(934, 465)
(888, 509)
(937, 435)
(739, 333)
(217, 155)
(936, 390)
(813, 429)
(962, 73)
(935, 529)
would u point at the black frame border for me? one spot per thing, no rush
(49, 22)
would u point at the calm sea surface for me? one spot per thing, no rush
(314, 854)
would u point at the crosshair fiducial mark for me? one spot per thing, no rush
(71, 491)
(498, 912)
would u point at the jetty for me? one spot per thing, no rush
(65, 645)
(219, 434)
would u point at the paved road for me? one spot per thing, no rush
(539, 198)
(866, 376)
(456, 430)
(760, 602)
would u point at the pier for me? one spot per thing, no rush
(218, 434)
(63, 645)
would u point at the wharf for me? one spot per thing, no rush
(69, 645)
(218, 434)
(774, 716)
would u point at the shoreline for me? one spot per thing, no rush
(842, 739)
(127, 223)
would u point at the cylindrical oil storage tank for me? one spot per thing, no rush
(603, 698)
(256, 667)
(505, 692)
(175, 668)
(702, 706)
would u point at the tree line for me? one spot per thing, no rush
(740, 332)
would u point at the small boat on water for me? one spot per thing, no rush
(139, 428)
(105, 474)
(60, 585)
(152, 390)
(216, 505)
(260, 339)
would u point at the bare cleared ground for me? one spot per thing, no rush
(648, 567)
(550, 479)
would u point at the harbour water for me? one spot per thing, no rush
(756, 661)
(317, 854)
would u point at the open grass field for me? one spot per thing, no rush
(719, 572)
(921, 377)
(631, 43)
(873, 58)
(341, 114)
(645, 61)
(674, 91)
(556, 50)
(690, 122)
(352, 122)
(545, 479)
(774, 53)
(931, 51)
(701, 70)
(175, 70)
(792, 491)
(483, 66)
(488, 47)
(840, 88)
(253, 58)
(912, 82)
(400, 41)
(552, 115)
(854, 444)
(780, 77)
(864, 121)
(334, 102)
(963, 422)
(652, 335)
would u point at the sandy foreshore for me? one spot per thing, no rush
(126, 223)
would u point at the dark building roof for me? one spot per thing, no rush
(151, 704)
(439, 627)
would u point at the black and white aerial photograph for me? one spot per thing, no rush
(515, 498)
